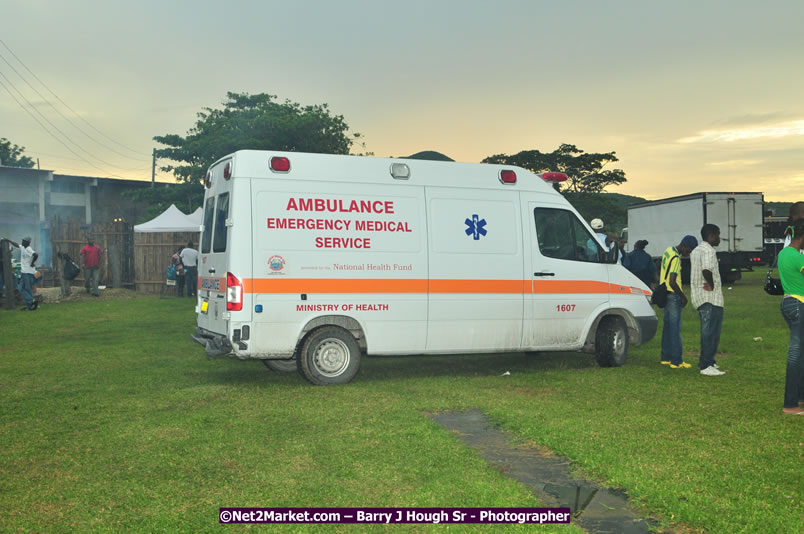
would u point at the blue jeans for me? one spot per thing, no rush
(191, 280)
(671, 330)
(711, 325)
(91, 276)
(27, 282)
(793, 313)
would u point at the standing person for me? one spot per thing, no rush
(598, 226)
(28, 259)
(605, 241)
(791, 270)
(176, 260)
(672, 348)
(189, 257)
(640, 263)
(91, 254)
(67, 273)
(2, 268)
(707, 297)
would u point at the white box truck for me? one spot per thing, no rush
(310, 261)
(738, 215)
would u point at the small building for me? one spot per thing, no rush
(31, 198)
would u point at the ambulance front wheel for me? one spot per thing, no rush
(329, 355)
(281, 366)
(611, 342)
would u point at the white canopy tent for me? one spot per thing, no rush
(172, 220)
(197, 216)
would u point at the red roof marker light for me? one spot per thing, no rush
(280, 164)
(227, 171)
(508, 177)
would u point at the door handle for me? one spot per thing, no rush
(544, 273)
(212, 270)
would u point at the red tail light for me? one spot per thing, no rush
(234, 293)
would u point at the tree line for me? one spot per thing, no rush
(260, 122)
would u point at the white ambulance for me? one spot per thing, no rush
(311, 261)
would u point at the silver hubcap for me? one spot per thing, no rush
(331, 357)
(619, 341)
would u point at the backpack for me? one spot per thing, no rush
(659, 296)
(71, 269)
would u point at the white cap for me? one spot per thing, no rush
(596, 224)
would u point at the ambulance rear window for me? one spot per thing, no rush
(209, 212)
(221, 231)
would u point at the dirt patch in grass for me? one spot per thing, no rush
(52, 295)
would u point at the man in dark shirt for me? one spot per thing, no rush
(640, 263)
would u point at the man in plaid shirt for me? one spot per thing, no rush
(707, 297)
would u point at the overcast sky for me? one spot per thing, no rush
(691, 95)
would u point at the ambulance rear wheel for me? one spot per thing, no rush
(282, 366)
(329, 355)
(611, 342)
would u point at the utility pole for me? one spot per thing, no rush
(153, 168)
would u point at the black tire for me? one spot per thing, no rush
(282, 366)
(329, 356)
(611, 342)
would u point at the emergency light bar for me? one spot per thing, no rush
(553, 176)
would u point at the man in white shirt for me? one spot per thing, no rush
(592, 250)
(28, 259)
(189, 257)
(707, 297)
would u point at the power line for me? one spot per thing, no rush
(62, 115)
(65, 104)
(46, 129)
(66, 158)
(79, 147)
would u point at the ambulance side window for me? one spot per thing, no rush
(221, 231)
(209, 212)
(562, 236)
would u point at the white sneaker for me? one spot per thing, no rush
(716, 366)
(711, 371)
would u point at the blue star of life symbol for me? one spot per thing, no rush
(476, 227)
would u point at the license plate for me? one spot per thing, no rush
(204, 306)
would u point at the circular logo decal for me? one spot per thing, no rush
(276, 263)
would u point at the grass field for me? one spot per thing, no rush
(111, 419)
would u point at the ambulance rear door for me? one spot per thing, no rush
(216, 251)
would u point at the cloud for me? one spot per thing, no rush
(755, 118)
(735, 163)
(782, 129)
